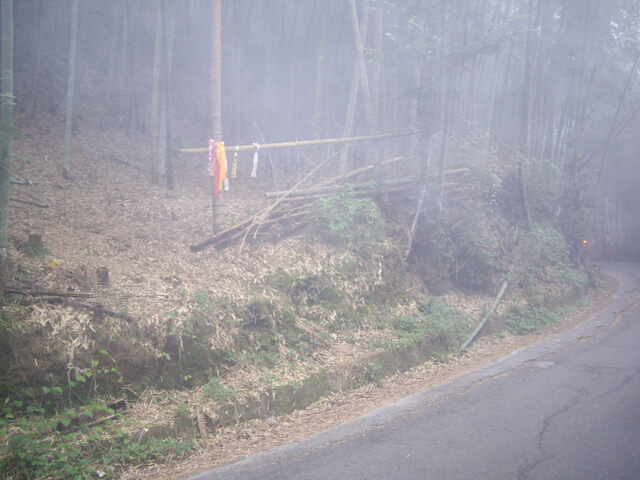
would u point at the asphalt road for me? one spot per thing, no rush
(566, 408)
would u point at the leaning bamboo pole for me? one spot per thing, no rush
(300, 143)
(474, 334)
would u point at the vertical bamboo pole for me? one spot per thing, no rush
(216, 103)
(155, 94)
(66, 172)
(362, 68)
(6, 121)
(366, 93)
(353, 93)
(168, 27)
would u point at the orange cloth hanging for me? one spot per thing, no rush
(217, 167)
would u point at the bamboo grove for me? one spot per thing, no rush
(550, 84)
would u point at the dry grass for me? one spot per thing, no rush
(236, 442)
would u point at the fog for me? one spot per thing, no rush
(556, 81)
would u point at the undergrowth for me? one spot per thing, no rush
(433, 319)
(64, 430)
(349, 219)
(76, 441)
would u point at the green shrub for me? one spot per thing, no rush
(76, 443)
(217, 390)
(543, 258)
(434, 319)
(348, 219)
(522, 319)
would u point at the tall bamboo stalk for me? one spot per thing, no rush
(353, 92)
(362, 67)
(71, 82)
(167, 70)
(6, 121)
(155, 94)
(216, 103)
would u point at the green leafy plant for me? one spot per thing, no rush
(433, 319)
(215, 389)
(125, 450)
(522, 319)
(488, 184)
(370, 372)
(451, 324)
(544, 264)
(51, 433)
(349, 219)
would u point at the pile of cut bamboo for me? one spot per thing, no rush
(295, 207)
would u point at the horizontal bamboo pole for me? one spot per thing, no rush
(301, 143)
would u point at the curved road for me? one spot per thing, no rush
(565, 408)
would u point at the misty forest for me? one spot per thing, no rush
(217, 213)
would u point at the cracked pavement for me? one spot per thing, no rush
(565, 408)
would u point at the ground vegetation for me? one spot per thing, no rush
(134, 333)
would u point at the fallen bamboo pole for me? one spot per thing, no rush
(300, 143)
(316, 191)
(328, 188)
(27, 202)
(357, 171)
(234, 233)
(49, 293)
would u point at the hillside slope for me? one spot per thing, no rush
(181, 335)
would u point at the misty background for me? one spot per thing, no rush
(497, 153)
(552, 81)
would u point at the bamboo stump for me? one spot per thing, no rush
(34, 246)
(102, 273)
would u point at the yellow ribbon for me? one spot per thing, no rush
(234, 165)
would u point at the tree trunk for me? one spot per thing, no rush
(167, 64)
(71, 81)
(414, 103)
(6, 123)
(353, 94)
(111, 92)
(376, 73)
(155, 94)
(525, 114)
(124, 66)
(38, 63)
(442, 159)
(362, 69)
(216, 103)
(446, 86)
(320, 72)
(494, 103)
